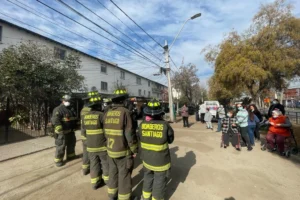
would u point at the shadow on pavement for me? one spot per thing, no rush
(180, 170)
(230, 198)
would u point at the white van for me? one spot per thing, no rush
(213, 107)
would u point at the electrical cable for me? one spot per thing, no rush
(127, 26)
(108, 32)
(116, 29)
(87, 28)
(136, 23)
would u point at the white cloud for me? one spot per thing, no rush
(161, 19)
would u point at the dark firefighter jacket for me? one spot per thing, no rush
(121, 140)
(63, 119)
(92, 129)
(155, 136)
(82, 113)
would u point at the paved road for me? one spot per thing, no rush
(201, 170)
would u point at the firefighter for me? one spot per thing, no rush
(121, 147)
(85, 155)
(92, 127)
(64, 122)
(155, 135)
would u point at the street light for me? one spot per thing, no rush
(191, 18)
(166, 52)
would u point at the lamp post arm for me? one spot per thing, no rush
(178, 33)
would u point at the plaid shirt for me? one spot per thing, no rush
(227, 125)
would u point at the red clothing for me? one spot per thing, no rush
(283, 131)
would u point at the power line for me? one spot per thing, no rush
(136, 23)
(174, 63)
(127, 27)
(89, 29)
(124, 42)
(61, 26)
(117, 29)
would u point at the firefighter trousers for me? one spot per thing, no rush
(63, 142)
(85, 158)
(155, 184)
(98, 167)
(119, 184)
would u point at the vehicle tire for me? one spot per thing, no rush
(287, 154)
(295, 151)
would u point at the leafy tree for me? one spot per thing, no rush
(262, 58)
(186, 80)
(33, 78)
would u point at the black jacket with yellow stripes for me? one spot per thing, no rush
(92, 128)
(84, 111)
(155, 135)
(64, 120)
(121, 139)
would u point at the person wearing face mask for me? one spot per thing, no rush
(256, 112)
(279, 126)
(230, 131)
(64, 121)
(242, 121)
(276, 105)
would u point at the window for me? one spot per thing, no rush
(157, 95)
(59, 53)
(103, 86)
(138, 81)
(123, 75)
(103, 69)
(140, 92)
(149, 83)
(144, 92)
(0, 33)
(149, 93)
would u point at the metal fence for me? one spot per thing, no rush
(293, 115)
(15, 132)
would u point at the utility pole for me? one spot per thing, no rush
(168, 70)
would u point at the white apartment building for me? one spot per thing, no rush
(103, 75)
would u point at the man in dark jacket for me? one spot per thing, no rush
(121, 147)
(64, 121)
(92, 128)
(276, 105)
(156, 135)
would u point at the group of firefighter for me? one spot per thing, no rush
(111, 141)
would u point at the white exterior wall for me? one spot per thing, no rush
(91, 67)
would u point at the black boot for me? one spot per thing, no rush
(85, 172)
(99, 184)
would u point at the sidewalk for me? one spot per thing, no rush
(18, 149)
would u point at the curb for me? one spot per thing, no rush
(37, 151)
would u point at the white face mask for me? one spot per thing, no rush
(229, 115)
(275, 116)
(67, 103)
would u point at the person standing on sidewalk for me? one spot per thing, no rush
(252, 122)
(185, 115)
(64, 122)
(242, 121)
(121, 147)
(208, 118)
(155, 135)
(96, 142)
(202, 112)
(221, 114)
(256, 112)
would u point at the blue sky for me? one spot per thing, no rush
(161, 19)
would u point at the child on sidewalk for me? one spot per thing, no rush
(230, 131)
(207, 118)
